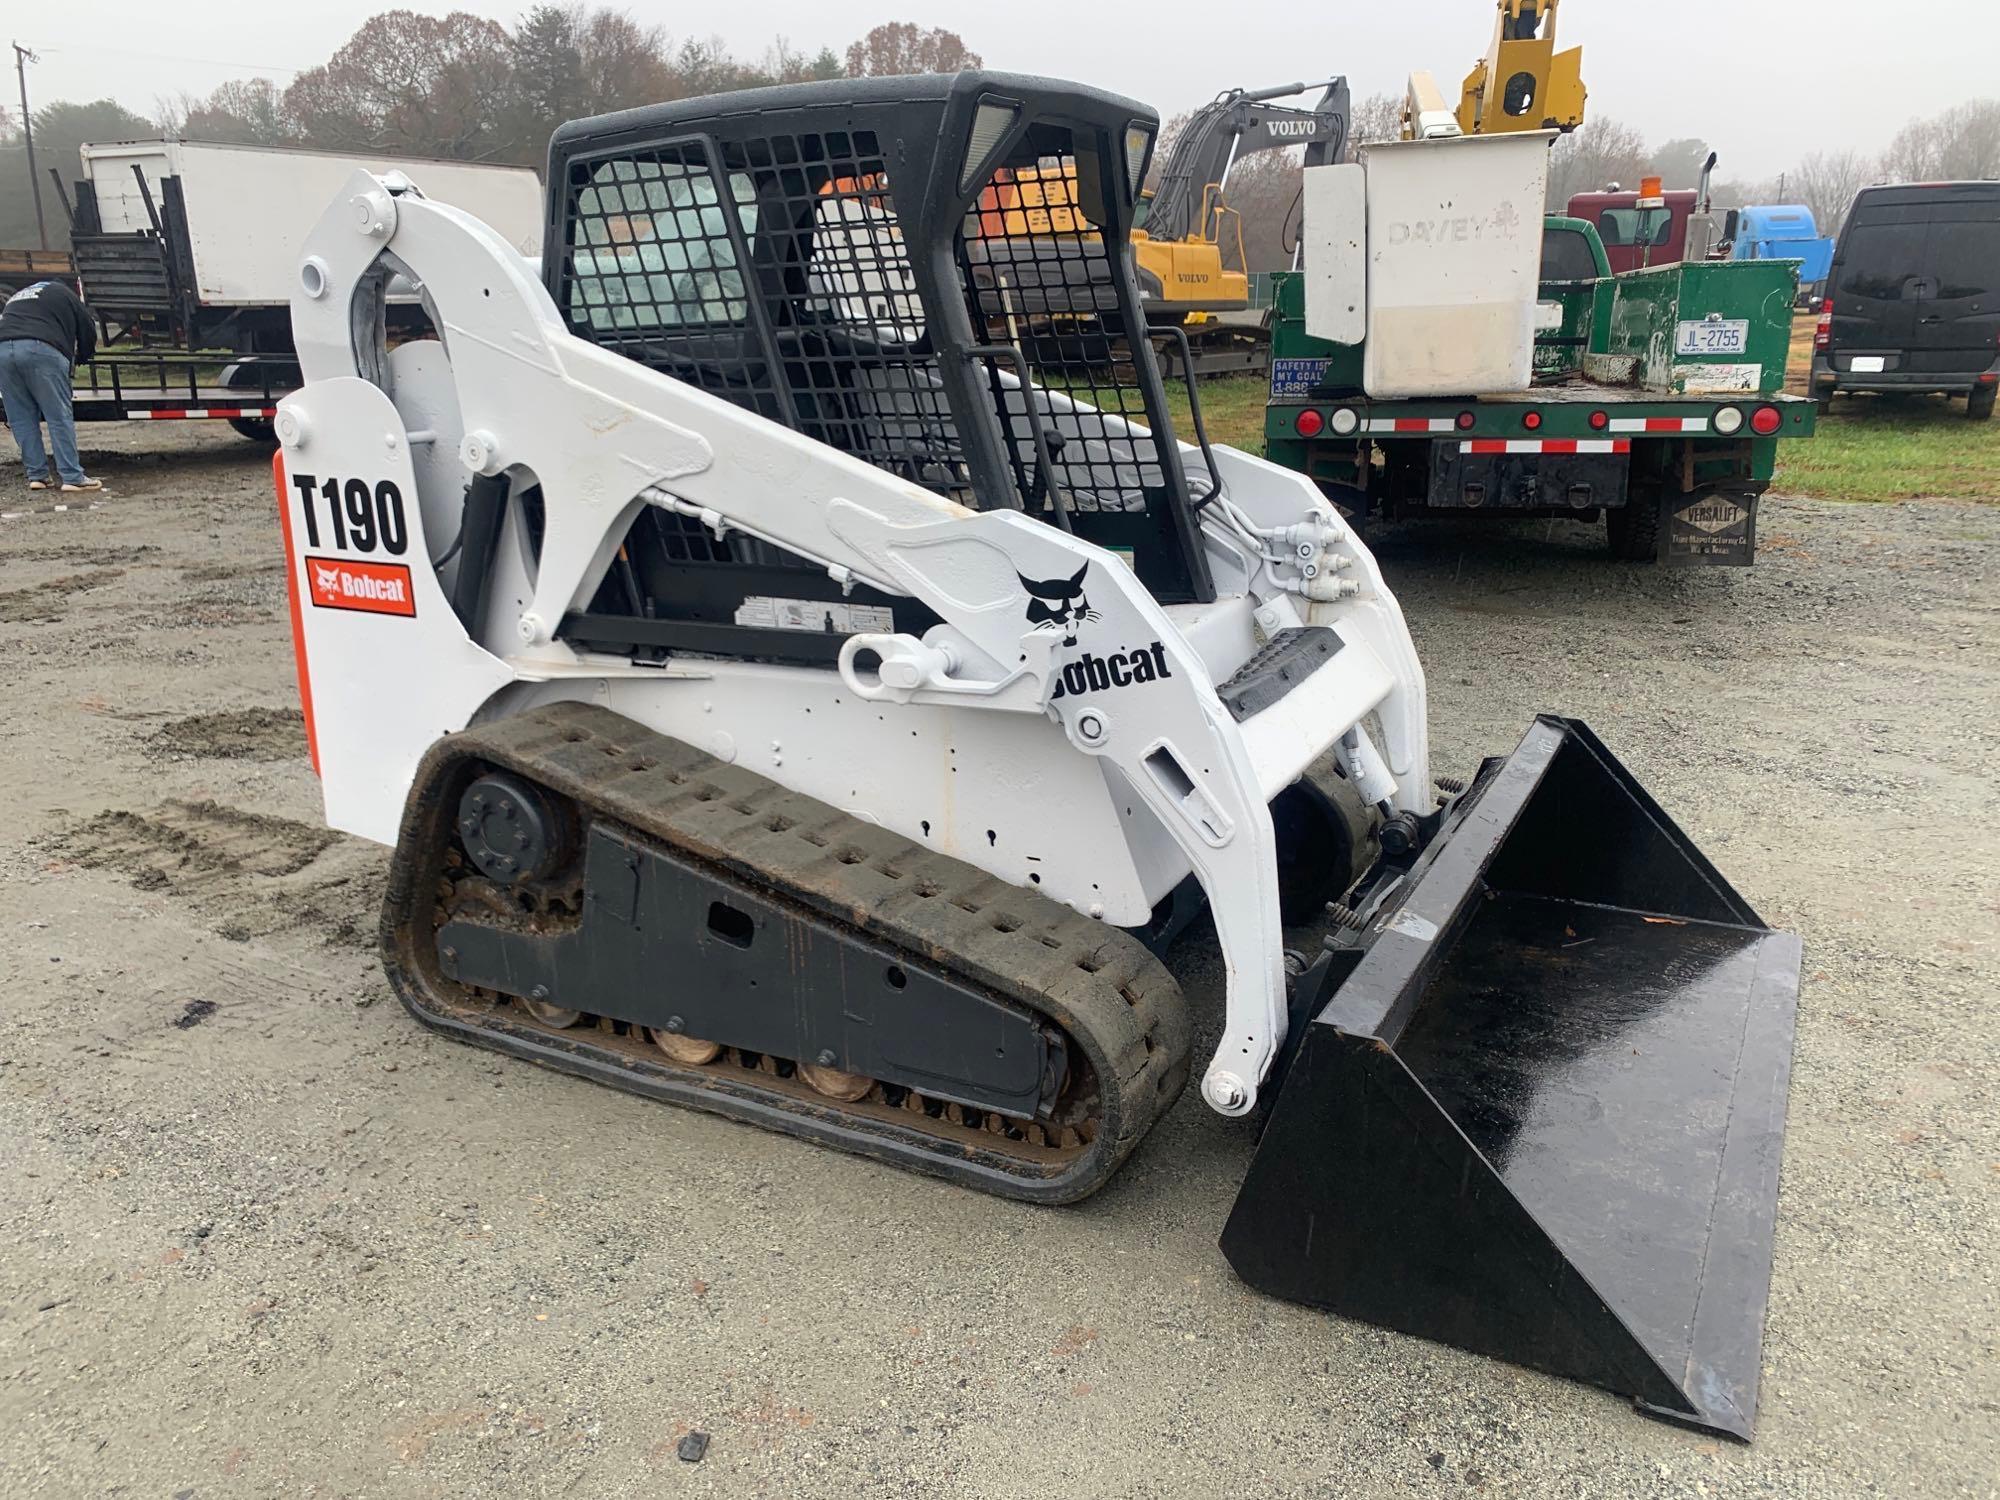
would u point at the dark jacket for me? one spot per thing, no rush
(50, 312)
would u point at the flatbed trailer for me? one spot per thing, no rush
(172, 386)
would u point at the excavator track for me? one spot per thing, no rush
(1113, 1015)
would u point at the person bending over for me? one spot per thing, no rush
(45, 329)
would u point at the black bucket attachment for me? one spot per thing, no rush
(1540, 1115)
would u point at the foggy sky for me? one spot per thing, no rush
(1763, 82)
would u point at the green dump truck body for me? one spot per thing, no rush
(1704, 328)
(1655, 406)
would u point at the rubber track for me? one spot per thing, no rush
(1114, 1000)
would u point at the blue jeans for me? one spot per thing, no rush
(34, 382)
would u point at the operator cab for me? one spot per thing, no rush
(929, 274)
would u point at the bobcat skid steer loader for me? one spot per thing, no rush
(785, 697)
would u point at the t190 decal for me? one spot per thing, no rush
(359, 517)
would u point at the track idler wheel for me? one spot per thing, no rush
(539, 1006)
(688, 1051)
(832, 1082)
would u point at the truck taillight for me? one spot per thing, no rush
(1823, 334)
(1766, 420)
(1308, 423)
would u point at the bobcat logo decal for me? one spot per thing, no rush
(328, 579)
(1058, 604)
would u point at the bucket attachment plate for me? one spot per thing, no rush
(1541, 1117)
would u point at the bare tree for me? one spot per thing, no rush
(1587, 160)
(241, 112)
(170, 112)
(1914, 152)
(1263, 199)
(1826, 183)
(703, 65)
(1738, 193)
(1963, 142)
(784, 63)
(1678, 163)
(904, 47)
(1379, 117)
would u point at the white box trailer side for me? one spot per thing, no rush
(245, 204)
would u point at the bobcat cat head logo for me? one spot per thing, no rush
(1058, 604)
(329, 578)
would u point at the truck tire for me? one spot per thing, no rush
(1633, 529)
(1979, 405)
(257, 429)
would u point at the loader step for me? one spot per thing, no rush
(720, 942)
(1279, 665)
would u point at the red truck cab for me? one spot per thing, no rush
(1634, 236)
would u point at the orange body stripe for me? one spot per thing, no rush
(298, 616)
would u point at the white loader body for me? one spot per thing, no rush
(1102, 795)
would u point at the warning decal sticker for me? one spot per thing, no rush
(814, 614)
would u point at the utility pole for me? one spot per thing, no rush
(22, 57)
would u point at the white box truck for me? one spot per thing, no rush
(197, 240)
(186, 247)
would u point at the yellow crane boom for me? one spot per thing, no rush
(1523, 83)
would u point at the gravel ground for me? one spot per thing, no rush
(263, 1236)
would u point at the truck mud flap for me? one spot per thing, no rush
(1713, 528)
(1539, 1112)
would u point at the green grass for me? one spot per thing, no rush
(1894, 448)
(1232, 409)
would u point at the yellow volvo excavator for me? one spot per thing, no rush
(1182, 247)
